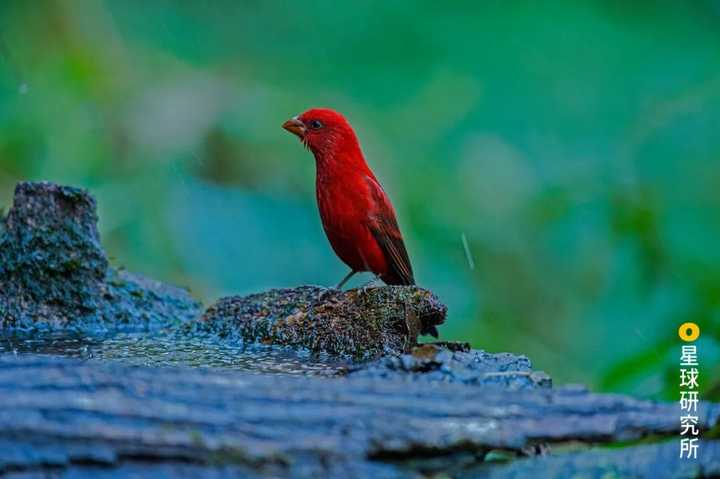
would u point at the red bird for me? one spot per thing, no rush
(356, 214)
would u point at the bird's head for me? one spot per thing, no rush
(323, 131)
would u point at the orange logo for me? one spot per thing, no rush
(689, 332)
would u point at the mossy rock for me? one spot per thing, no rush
(55, 274)
(359, 323)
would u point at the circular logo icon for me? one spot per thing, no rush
(689, 332)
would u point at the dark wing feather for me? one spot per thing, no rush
(386, 232)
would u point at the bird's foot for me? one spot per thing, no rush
(373, 283)
(320, 297)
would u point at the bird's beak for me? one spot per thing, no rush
(295, 126)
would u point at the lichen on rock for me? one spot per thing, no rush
(54, 272)
(359, 323)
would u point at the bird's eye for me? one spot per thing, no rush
(315, 124)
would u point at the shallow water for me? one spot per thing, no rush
(159, 349)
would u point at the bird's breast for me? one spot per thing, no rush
(344, 210)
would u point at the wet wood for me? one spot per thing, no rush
(74, 416)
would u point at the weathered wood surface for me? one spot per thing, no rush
(455, 363)
(75, 416)
(655, 461)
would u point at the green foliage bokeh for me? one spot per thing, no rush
(573, 146)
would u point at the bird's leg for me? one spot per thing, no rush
(345, 279)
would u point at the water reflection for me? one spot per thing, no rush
(169, 350)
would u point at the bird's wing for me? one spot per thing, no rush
(384, 228)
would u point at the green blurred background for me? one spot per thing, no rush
(575, 146)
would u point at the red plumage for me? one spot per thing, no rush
(357, 215)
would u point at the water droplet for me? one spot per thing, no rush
(468, 255)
